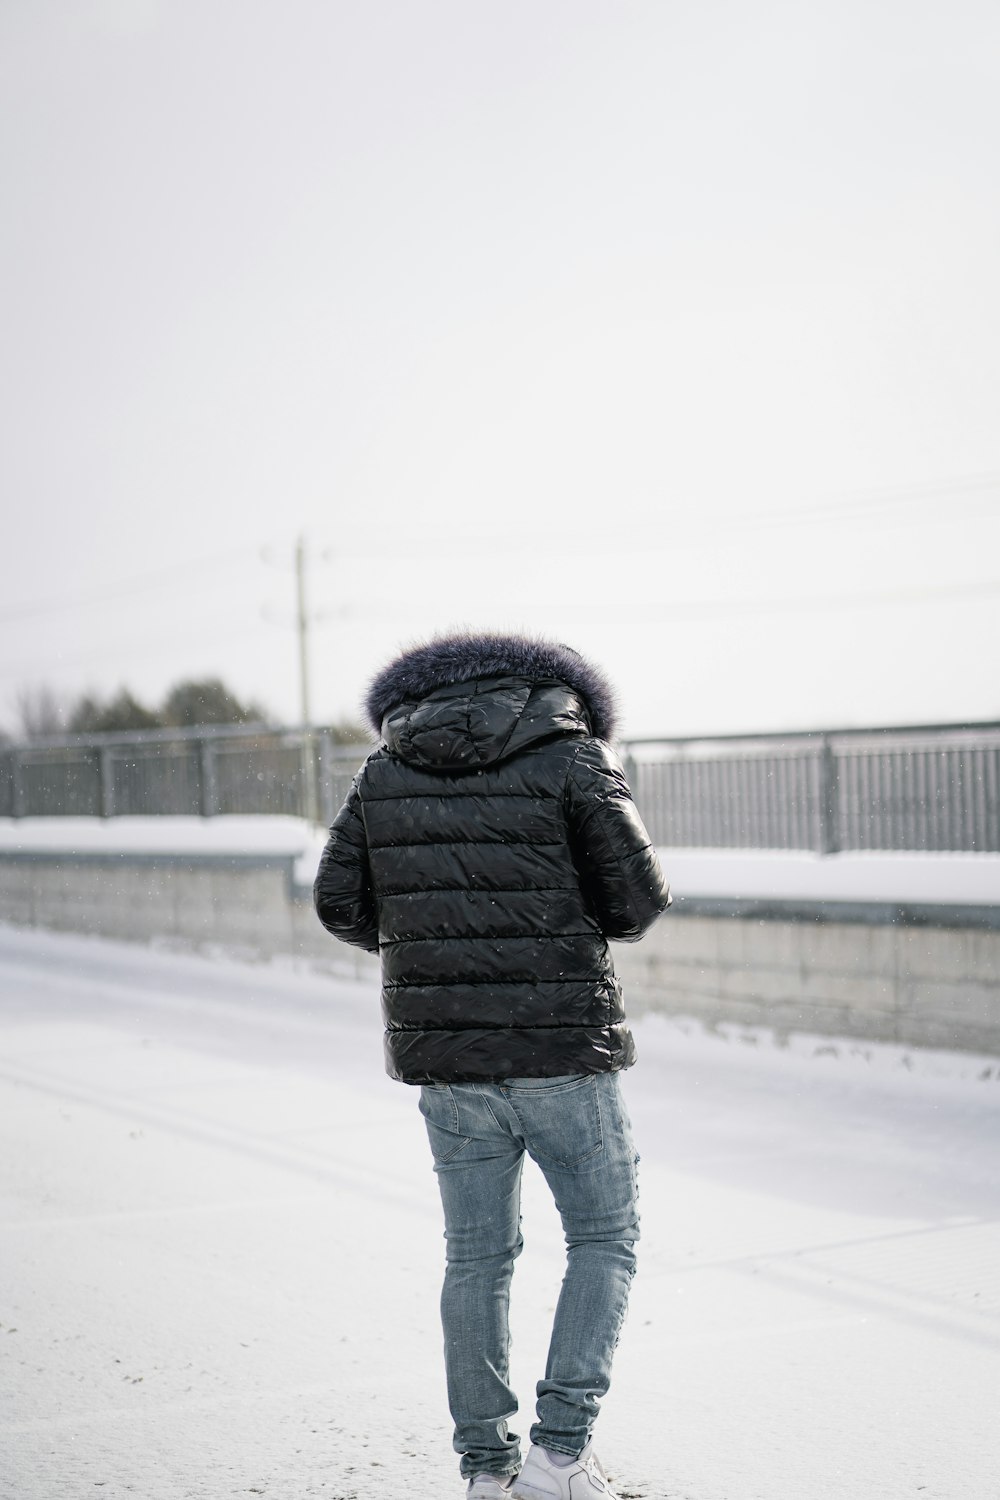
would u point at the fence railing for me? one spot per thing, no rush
(202, 772)
(932, 788)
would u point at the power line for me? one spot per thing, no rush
(700, 609)
(963, 489)
(971, 487)
(674, 529)
(151, 646)
(138, 584)
(959, 490)
(682, 609)
(720, 608)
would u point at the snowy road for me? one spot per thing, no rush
(220, 1252)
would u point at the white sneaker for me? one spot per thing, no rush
(541, 1479)
(489, 1487)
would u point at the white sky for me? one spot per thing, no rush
(671, 330)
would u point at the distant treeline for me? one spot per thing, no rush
(207, 700)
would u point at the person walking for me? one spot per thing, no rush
(487, 851)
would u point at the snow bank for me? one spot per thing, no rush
(959, 879)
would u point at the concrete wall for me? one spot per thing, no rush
(837, 969)
(922, 975)
(248, 904)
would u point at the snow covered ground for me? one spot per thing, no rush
(221, 1249)
(959, 879)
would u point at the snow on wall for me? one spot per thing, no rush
(959, 879)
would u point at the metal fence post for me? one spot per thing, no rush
(107, 770)
(16, 786)
(209, 790)
(309, 808)
(629, 766)
(829, 811)
(327, 811)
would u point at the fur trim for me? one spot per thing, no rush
(462, 657)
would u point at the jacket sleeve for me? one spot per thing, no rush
(342, 891)
(618, 865)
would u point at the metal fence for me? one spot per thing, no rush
(932, 788)
(202, 772)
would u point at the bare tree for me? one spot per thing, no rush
(40, 711)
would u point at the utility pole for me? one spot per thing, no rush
(308, 738)
(302, 623)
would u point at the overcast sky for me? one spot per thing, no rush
(671, 330)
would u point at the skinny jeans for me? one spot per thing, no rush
(577, 1130)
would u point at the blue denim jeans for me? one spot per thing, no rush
(578, 1131)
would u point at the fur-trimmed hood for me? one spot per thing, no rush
(465, 658)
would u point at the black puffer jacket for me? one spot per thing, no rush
(487, 851)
